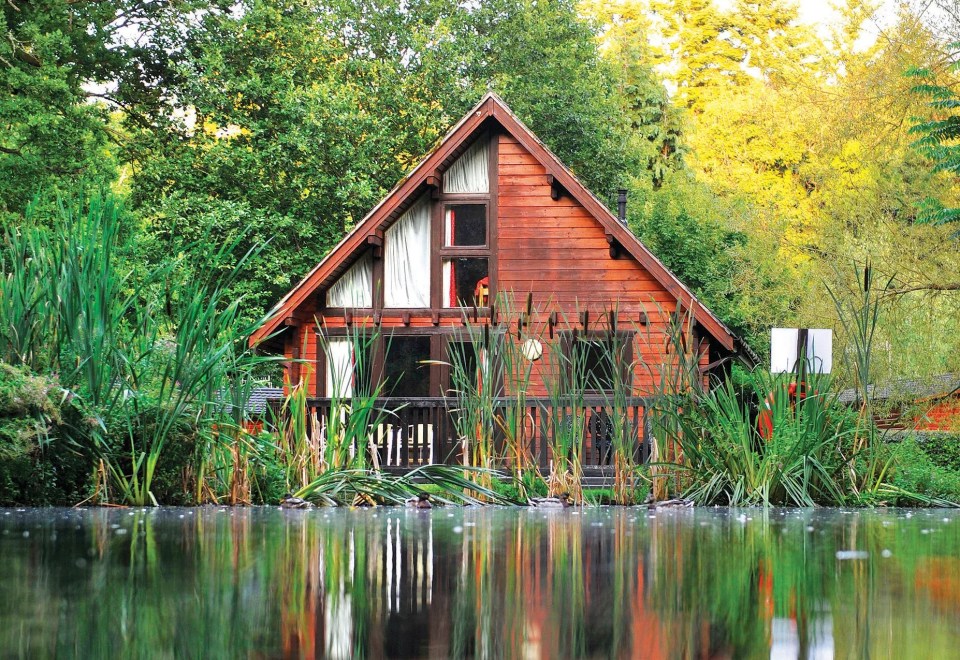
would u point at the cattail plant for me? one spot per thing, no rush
(518, 355)
(566, 384)
(476, 376)
(616, 353)
(140, 372)
(677, 382)
(859, 316)
(345, 434)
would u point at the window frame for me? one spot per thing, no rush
(380, 360)
(469, 337)
(443, 252)
(592, 336)
(378, 357)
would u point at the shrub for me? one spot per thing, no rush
(36, 465)
(916, 471)
(28, 409)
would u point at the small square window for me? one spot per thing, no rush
(466, 282)
(465, 225)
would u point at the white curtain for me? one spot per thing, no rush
(355, 287)
(469, 173)
(339, 367)
(406, 258)
(449, 295)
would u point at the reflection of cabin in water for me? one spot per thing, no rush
(490, 212)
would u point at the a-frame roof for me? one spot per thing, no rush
(490, 108)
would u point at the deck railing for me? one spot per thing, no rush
(419, 431)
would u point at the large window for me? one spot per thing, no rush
(349, 367)
(602, 358)
(406, 259)
(406, 371)
(465, 248)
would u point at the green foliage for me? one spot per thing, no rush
(943, 449)
(687, 227)
(921, 469)
(142, 372)
(938, 136)
(802, 464)
(299, 154)
(52, 138)
(450, 484)
(29, 407)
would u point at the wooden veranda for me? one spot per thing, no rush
(411, 432)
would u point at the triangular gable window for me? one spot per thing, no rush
(470, 172)
(355, 286)
(406, 259)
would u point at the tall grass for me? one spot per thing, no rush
(709, 447)
(800, 465)
(616, 352)
(346, 436)
(476, 376)
(677, 385)
(859, 316)
(566, 384)
(513, 416)
(141, 368)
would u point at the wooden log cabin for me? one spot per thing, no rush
(489, 215)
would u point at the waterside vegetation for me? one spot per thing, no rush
(758, 154)
(120, 386)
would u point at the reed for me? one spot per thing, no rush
(513, 416)
(476, 376)
(141, 368)
(676, 386)
(799, 465)
(623, 435)
(859, 315)
(345, 436)
(566, 383)
(449, 484)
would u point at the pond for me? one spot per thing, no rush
(479, 582)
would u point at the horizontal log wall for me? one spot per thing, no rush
(558, 252)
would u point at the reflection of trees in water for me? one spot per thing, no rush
(270, 583)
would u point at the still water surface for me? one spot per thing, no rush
(492, 582)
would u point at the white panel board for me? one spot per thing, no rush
(783, 350)
(820, 350)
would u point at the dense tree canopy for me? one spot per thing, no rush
(760, 154)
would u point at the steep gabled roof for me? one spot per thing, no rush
(490, 108)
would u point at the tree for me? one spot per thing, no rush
(51, 138)
(65, 69)
(292, 119)
(938, 136)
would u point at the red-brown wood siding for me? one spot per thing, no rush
(557, 251)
